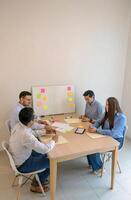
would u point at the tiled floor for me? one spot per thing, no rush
(74, 182)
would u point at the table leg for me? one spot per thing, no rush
(53, 174)
(114, 162)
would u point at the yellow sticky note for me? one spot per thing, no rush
(71, 105)
(70, 99)
(38, 95)
(45, 107)
(45, 98)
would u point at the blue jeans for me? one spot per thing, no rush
(94, 160)
(35, 162)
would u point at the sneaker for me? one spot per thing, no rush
(99, 172)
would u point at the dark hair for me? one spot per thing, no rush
(24, 93)
(26, 115)
(89, 93)
(113, 106)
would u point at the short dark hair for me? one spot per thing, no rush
(89, 93)
(24, 93)
(26, 115)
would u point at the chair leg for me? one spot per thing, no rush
(37, 178)
(119, 166)
(27, 179)
(102, 170)
(13, 184)
(19, 183)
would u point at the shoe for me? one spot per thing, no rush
(99, 172)
(35, 183)
(37, 189)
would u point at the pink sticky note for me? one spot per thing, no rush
(42, 90)
(68, 88)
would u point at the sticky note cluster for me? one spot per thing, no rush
(42, 99)
(70, 98)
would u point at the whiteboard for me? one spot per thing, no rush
(48, 100)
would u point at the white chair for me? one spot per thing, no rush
(20, 175)
(8, 126)
(107, 156)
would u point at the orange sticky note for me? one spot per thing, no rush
(81, 126)
(39, 104)
(69, 93)
(45, 98)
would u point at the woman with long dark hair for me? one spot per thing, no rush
(112, 124)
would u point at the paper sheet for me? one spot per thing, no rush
(61, 139)
(72, 120)
(62, 127)
(65, 130)
(95, 135)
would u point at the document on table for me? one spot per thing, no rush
(46, 139)
(72, 120)
(95, 135)
(62, 127)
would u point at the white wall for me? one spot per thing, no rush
(127, 87)
(80, 42)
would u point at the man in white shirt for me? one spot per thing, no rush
(25, 100)
(23, 142)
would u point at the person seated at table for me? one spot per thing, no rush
(25, 100)
(93, 110)
(112, 124)
(23, 144)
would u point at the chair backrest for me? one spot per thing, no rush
(5, 146)
(123, 139)
(8, 126)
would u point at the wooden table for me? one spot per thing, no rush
(78, 146)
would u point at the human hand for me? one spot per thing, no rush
(92, 121)
(43, 122)
(92, 129)
(80, 117)
(85, 119)
(55, 138)
(48, 128)
(51, 132)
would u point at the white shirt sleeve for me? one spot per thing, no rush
(30, 141)
(37, 126)
(38, 133)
